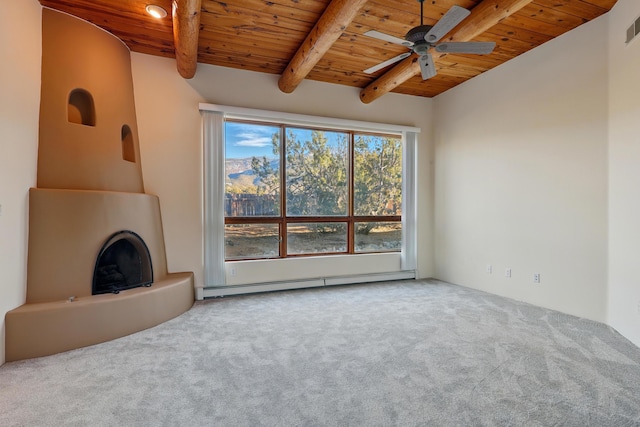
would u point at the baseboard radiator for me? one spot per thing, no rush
(221, 291)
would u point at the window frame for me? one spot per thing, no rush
(216, 274)
(283, 220)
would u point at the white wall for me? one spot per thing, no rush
(20, 53)
(521, 176)
(171, 152)
(624, 173)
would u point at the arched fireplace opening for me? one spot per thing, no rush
(124, 262)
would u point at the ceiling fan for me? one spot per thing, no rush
(423, 37)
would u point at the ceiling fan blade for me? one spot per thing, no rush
(427, 67)
(466, 47)
(387, 38)
(386, 63)
(453, 17)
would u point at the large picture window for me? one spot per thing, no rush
(294, 191)
(291, 196)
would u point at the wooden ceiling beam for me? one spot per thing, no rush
(484, 16)
(335, 19)
(186, 32)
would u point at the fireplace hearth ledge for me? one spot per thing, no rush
(45, 328)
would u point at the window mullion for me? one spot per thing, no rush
(351, 224)
(283, 192)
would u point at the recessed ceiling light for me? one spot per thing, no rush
(156, 11)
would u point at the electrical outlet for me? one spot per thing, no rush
(232, 272)
(507, 272)
(536, 277)
(489, 269)
(639, 306)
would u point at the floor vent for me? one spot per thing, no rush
(633, 30)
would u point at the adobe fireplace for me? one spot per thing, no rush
(90, 186)
(123, 263)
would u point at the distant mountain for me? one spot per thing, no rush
(240, 174)
(234, 166)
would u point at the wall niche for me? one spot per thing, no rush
(128, 149)
(81, 109)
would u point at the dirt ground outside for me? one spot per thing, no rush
(261, 240)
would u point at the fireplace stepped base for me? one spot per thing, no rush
(45, 328)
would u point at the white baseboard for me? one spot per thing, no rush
(220, 291)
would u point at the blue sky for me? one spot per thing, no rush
(248, 140)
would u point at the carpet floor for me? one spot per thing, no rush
(408, 353)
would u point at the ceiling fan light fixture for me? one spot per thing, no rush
(418, 34)
(422, 38)
(156, 11)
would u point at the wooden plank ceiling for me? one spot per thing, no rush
(264, 35)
